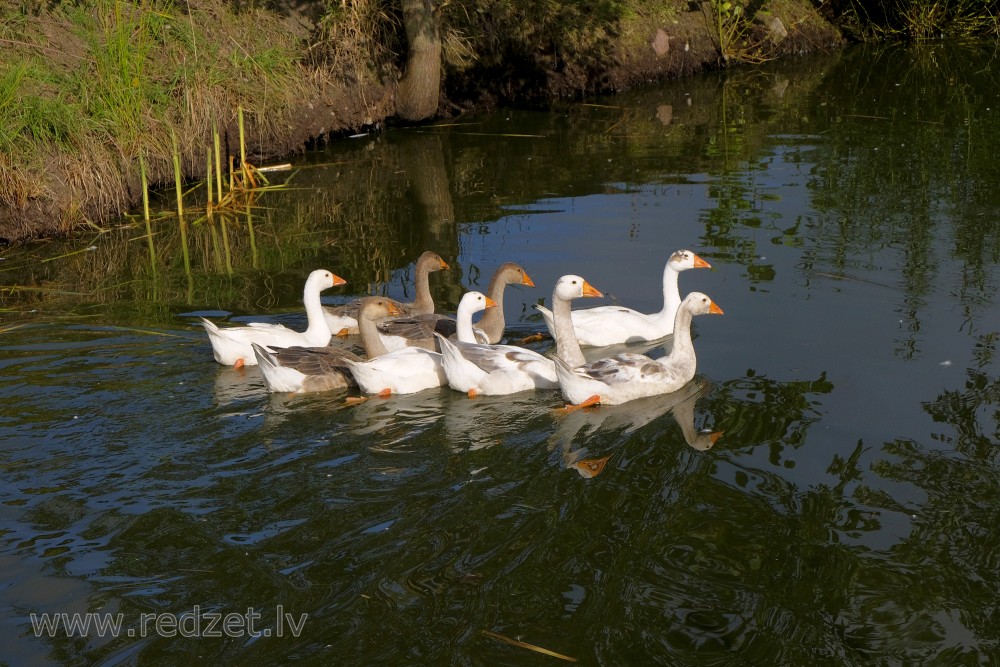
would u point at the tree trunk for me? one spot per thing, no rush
(419, 89)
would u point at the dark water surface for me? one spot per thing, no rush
(848, 514)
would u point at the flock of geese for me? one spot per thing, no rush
(410, 348)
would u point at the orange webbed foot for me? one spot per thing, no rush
(239, 364)
(473, 393)
(593, 400)
(590, 468)
(385, 393)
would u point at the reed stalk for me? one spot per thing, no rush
(145, 214)
(218, 161)
(177, 175)
(208, 183)
(243, 145)
(180, 203)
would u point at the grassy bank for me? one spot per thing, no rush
(89, 90)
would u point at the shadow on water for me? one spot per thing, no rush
(844, 516)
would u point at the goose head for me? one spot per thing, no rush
(682, 260)
(473, 302)
(378, 307)
(512, 274)
(573, 287)
(699, 304)
(322, 279)
(432, 261)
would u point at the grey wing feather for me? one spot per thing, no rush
(419, 326)
(622, 367)
(485, 356)
(315, 360)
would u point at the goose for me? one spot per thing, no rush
(232, 346)
(627, 376)
(343, 319)
(610, 325)
(491, 370)
(419, 330)
(567, 288)
(493, 323)
(403, 371)
(308, 369)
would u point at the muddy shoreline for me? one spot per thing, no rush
(334, 105)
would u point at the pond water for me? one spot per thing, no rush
(847, 514)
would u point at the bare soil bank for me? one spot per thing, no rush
(70, 196)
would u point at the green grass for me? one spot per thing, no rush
(98, 81)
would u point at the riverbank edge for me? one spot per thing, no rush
(335, 106)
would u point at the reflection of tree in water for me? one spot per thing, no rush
(808, 576)
(757, 410)
(937, 582)
(973, 411)
(923, 191)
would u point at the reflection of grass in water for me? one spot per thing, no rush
(225, 259)
(920, 19)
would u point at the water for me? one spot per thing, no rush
(846, 515)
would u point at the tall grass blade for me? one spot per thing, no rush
(243, 145)
(180, 205)
(218, 162)
(208, 181)
(145, 213)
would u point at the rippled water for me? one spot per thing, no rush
(846, 515)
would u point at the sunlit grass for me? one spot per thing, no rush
(118, 79)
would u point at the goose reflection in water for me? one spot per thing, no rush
(486, 421)
(394, 422)
(622, 420)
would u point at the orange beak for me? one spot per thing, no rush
(714, 309)
(393, 309)
(337, 280)
(526, 280)
(699, 263)
(590, 290)
(490, 303)
(444, 265)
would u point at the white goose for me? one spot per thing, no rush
(403, 371)
(492, 370)
(610, 325)
(625, 377)
(419, 330)
(232, 346)
(308, 369)
(343, 319)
